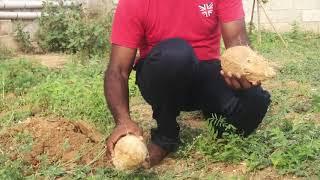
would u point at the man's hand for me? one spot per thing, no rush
(121, 130)
(237, 82)
(234, 34)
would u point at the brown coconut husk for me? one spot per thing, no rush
(244, 61)
(129, 153)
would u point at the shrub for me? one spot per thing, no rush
(70, 30)
(23, 38)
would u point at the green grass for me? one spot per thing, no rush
(289, 148)
(5, 53)
(19, 75)
(287, 141)
(316, 103)
(75, 92)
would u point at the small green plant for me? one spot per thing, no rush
(5, 53)
(296, 32)
(10, 170)
(133, 88)
(316, 103)
(13, 170)
(52, 172)
(23, 38)
(25, 142)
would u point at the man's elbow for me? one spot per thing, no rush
(115, 73)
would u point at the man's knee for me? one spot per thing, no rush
(171, 62)
(257, 103)
(249, 110)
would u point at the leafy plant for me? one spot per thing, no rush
(13, 170)
(23, 38)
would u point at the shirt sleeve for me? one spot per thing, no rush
(127, 27)
(230, 10)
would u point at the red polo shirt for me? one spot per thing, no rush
(144, 23)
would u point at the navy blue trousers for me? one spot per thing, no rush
(171, 79)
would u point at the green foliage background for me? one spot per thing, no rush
(70, 30)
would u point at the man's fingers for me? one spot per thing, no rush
(110, 146)
(111, 143)
(222, 72)
(138, 133)
(238, 76)
(256, 83)
(228, 81)
(236, 81)
(235, 84)
(113, 139)
(245, 83)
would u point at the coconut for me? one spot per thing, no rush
(129, 153)
(244, 61)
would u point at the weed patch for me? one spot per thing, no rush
(12, 170)
(290, 148)
(75, 92)
(17, 76)
(5, 53)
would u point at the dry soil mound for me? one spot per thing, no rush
(67, 142)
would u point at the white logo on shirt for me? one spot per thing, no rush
(206, 9)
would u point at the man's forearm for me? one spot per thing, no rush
(240, 40)
(117, 95)
(234, 34)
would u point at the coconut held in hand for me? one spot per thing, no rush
(244, 61)
(129, 153)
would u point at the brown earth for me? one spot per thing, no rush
(65, 142)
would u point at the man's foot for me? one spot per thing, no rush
(156, 155)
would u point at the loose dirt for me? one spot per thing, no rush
(68, 143)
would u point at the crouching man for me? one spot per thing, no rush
(179, 68)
